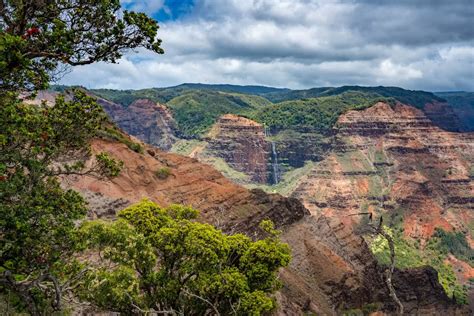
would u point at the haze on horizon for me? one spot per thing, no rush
(414, 44)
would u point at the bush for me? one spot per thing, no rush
(114, 134)
(161, 259)
(163, 173)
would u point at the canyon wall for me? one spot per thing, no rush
(332, 269)
(148, 121)
(241, 143)
(394, 160)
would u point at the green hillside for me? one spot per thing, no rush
(314, 114)
(197, 106)
(196, 111)
(412, 97)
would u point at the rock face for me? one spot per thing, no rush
(443, 116)
(144, 119)
(295, 148)
(220, 201)
(332, 268)
(393, 160)
(241, 143)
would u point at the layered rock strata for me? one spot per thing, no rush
(332, 269)
(395, 161)
(241, 143)
(150, 122)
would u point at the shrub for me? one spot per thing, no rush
(163, 173)
(160, 259)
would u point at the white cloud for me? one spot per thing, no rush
(301, 44)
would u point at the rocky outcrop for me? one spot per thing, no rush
(332, 268)
(241, 143)
(295, 148)
(443, 115)
(148, 121)
(220, 201)
(392, 158)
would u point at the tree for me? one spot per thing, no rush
(37, 36)
(156, 259)
(40, 143)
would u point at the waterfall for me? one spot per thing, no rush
(276, 176)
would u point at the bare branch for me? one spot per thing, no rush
(202, 299)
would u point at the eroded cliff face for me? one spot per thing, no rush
(394, 160)
(220, 201)
(241, 143)
(148, 121)
(332, 269)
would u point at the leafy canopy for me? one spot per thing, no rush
(163, 261)
(36, 36)
(39, 143)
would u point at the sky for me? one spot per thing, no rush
(299, 44)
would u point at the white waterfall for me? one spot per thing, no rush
(276, 176)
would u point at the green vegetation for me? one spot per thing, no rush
(318, 114)
(196, 111)
(288, 182)
(39, 143)
(463, 105)
(454, 243)
(37, 36)
(163, 261)
(127, 97)
(37, 217)
(186, 146)
(163, 173)
(227, 171)
(113, 133)
(409, 255)
(412, 97)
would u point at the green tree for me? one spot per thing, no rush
(159, 259)
(37, 36)
(39, 143)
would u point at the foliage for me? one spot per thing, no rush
(37, 144)
(462, 104)
(113, 133)
(163, 95)
(407, 255)
(40, 143)
(127, 97)
(163, 173)
(196, 111)
(162, 260)
(454, 243)
(317, 114)
(412, 97)
(108, 166)
(415, 98)
(36, 36)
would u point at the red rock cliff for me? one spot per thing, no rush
(148, 121)
(389, 159)
(241, 143)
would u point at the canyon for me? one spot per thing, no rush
(332, 268)
(390, 159)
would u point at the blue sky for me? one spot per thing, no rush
(163, 11)
(415, 44)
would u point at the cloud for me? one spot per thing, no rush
(415, 44)
(148, 6)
